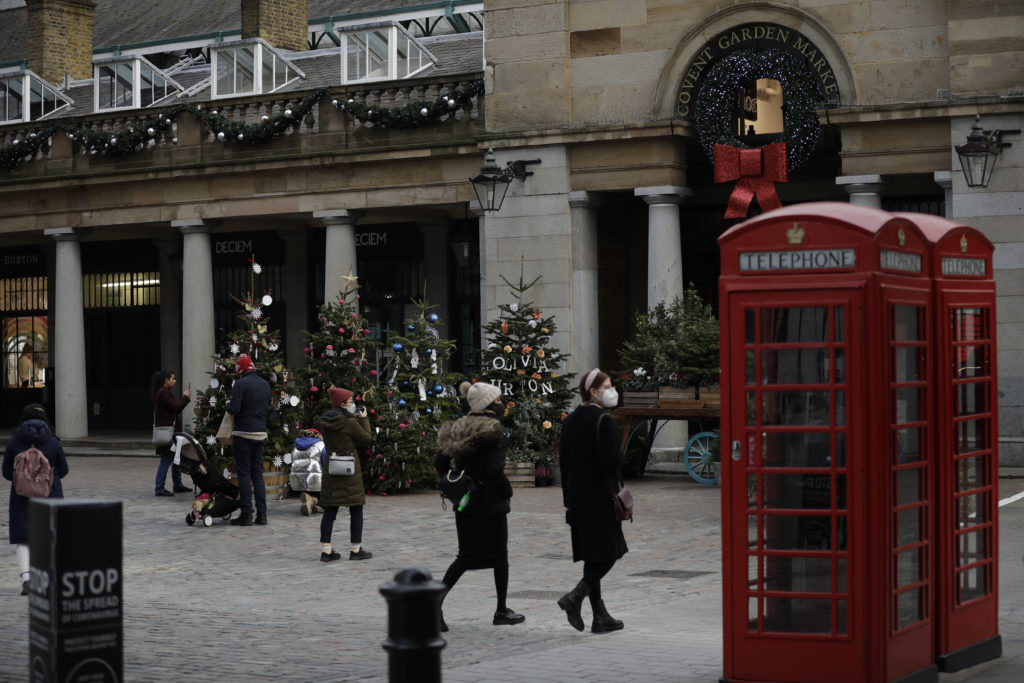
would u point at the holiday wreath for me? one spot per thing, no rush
(714, 113)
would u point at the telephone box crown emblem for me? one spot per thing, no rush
(963, 243)
(902, 237)
(795, 235)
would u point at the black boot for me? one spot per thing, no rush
(241, 520)
(603, 622)
(572, 602)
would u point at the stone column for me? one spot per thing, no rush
(170, 303)
(944, 179)
(435, 269)
(296, 297)
(665, 282)
(197, 320)
(664, 242)
(71, 407)
(585, 323)
(864, 190)
(340, 248)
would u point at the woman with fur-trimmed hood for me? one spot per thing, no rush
(475, 444)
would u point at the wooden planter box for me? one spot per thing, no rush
(639, 399)
(521, 475)
(678, 397)
(712, 396)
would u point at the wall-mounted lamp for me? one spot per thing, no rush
(492, 183)
(978, 156)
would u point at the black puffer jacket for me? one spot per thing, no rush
(476, 443)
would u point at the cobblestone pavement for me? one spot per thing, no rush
(255, 603)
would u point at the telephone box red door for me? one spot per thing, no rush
(791, 382)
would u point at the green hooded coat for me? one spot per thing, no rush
(344, 435)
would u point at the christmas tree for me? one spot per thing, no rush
(254, 337)
(419, 395)
(518, 358)
(340, 353)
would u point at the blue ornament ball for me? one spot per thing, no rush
(405, 383)
(411, 328)
(433, 317)
(430, 393)
(430, 411)
(398, 346)
(401, 401)
(438, 388)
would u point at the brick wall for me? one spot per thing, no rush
(282, 23)
(60, 38)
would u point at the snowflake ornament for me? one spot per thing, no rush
(257, 313)
(234, 349)
(533, 323)
(257, 268)
(514, 307)
(277, 461)
(210, 440)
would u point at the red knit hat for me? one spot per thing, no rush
(339, 396)
(244, 364)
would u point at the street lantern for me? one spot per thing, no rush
(978, 156)
(492, 184)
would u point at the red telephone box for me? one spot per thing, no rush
(967, 459)
(828, 504)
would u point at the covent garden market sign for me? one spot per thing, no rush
(757, 37)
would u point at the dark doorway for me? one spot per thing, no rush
(122, 353)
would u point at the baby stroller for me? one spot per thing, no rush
(306, 469)
(217, 497)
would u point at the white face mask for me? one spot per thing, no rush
(352, 409)
(610, 398)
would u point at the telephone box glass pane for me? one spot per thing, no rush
(972, 398)
(972, 547)
(971, 361)
(973, 509)
(841, 617)
(798, 324)
(908, 445)
(753, 580)
(751, 408)
(840, 450)
(752, 524)
(840, 367)
(794, 366)
(908, 527)
(909, 567)
(971, 473)
(797, 532)
(797, 491)
(908, 487)
(905, 323)
(908, 608)
(840, 408)
(797, 615)
(796, 449)
(798, 574)
(905, 361)
(969, 324)
(750, 327)
(973, 436)
(751, 490)
(908, 405)
(841, 575)
(973, 583)
(795, 407)
(840, 323)
(751, 358)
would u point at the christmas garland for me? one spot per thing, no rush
(135, 138)
(716, 101)
(413, 114)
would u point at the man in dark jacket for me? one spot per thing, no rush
(250, 404)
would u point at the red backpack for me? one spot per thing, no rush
(33, 476)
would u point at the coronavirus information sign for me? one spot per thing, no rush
(75, 607)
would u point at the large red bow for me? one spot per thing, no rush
(756, 170)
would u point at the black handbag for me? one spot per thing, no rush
(455, 484)
(622, 500)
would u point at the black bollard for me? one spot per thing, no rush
(414, 640)
(75, 607)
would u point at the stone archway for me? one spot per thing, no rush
(687, 53)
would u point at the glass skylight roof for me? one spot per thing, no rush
(130, 83)
(24, 96)
(380, 52)
(248, 67)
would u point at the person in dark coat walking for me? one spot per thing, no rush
(475, 444)
(250, 404)
(346, 431)
(167, 412)
(590, 461)
(33, 430)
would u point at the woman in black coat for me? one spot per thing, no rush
(475, 444)
(33, 430)
(590, 461)
(166, 413)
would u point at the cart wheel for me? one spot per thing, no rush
(697, 457)
(189, 520)
(208, 521)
